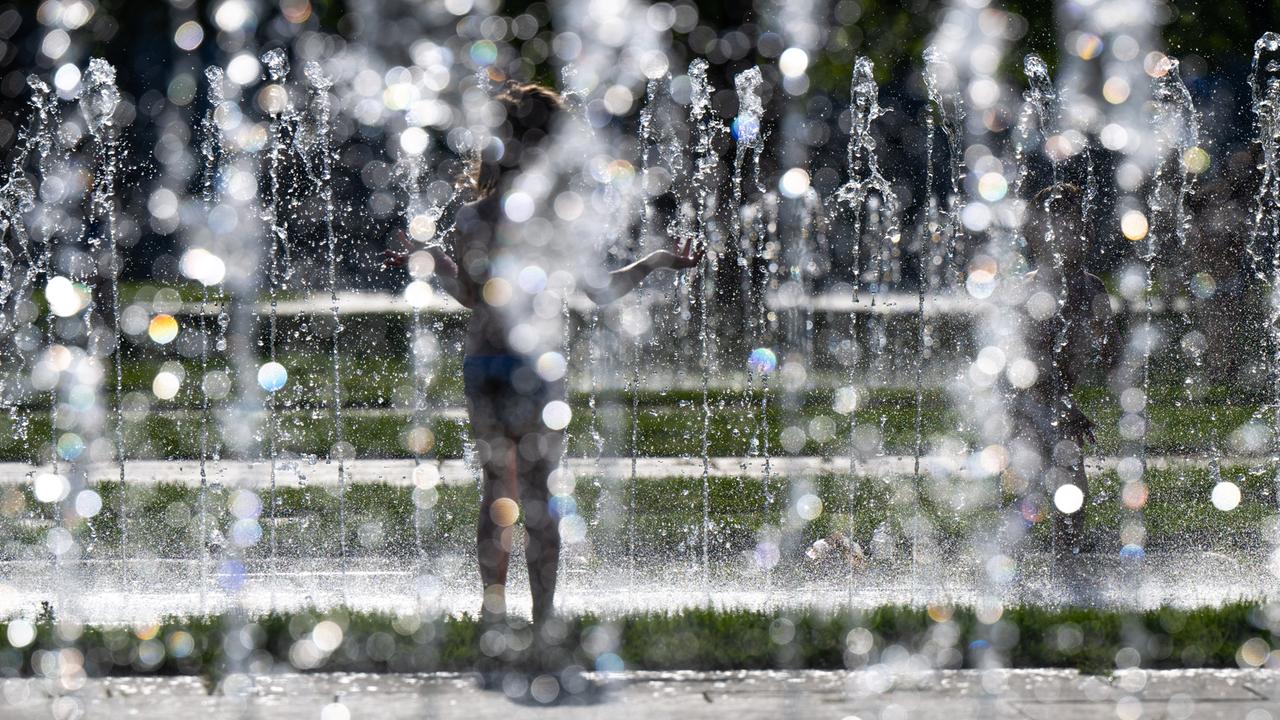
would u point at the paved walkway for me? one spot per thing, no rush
(600, 580)
(353, 302)
(292, 472)
(879, 694)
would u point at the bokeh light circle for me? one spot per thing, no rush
(162, 329)
(418, 294)
(165, 385)
(809, 506)
(64, 297)
(20, 633)
(762, 361)
(50, 487)
(794, 182)
(1068, 498)
(557, 414)
(1134, 225)
(1225, 496)
(272, 376)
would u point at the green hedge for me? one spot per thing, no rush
(695, 639)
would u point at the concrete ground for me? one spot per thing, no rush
(864, 695)
(144, 591)
(399, 472)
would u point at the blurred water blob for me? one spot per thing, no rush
(1134, 225)
(1068, 498)
(793, 62)
(551, 366)
(484, 53)
(993, 187)
(846, 400)
(762, 361)
(573, 529)
(418, 294)
(421, 264)
(794, 183)
(272, 376)
(65, 297)
(1203, 285)
(1132, 551)
(809, 507)
(1225, 496)
(189, 35)
(203, 266)
(50, 487)
(20, 633)
(557, 414)
(88, 503)
(766, 554)
(162, 329)
(981, 283)
(231, 575)
(414, 140)
(426, 475)
(166, 384)
(70, 445)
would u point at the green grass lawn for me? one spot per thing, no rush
(667, 518)
(706, 639)
(377, 420)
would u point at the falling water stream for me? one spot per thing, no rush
(321, 170)
(99, 102)
(283, 117)
(847, 205)
(706, 128)
(212, 154)
(1177, 130)
(771, 243)
(1265, 82)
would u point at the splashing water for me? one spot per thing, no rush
(1176, 127)
(707, 130)
(750, 244)
(287, 155)
(99, 102)
(321, 163)
(277, 62)
(951, 119)
(1265, 82)
(283, 121)
(848, 205)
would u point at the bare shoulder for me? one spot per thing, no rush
(483, 209)
(475, 219)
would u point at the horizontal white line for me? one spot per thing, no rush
(399, 472)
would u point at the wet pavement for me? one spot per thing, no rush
(399, 472)
(864, 695)
(146, 590)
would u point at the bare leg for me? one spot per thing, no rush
(498, 511)
(538, 456)
(1069, 529)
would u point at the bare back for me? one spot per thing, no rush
(475, 248)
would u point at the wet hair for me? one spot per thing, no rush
(1059, 207)
(531, 114)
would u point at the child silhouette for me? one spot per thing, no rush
(505, 390)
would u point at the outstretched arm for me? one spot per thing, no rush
(446, 270)
(447, 273)
(625, 279)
